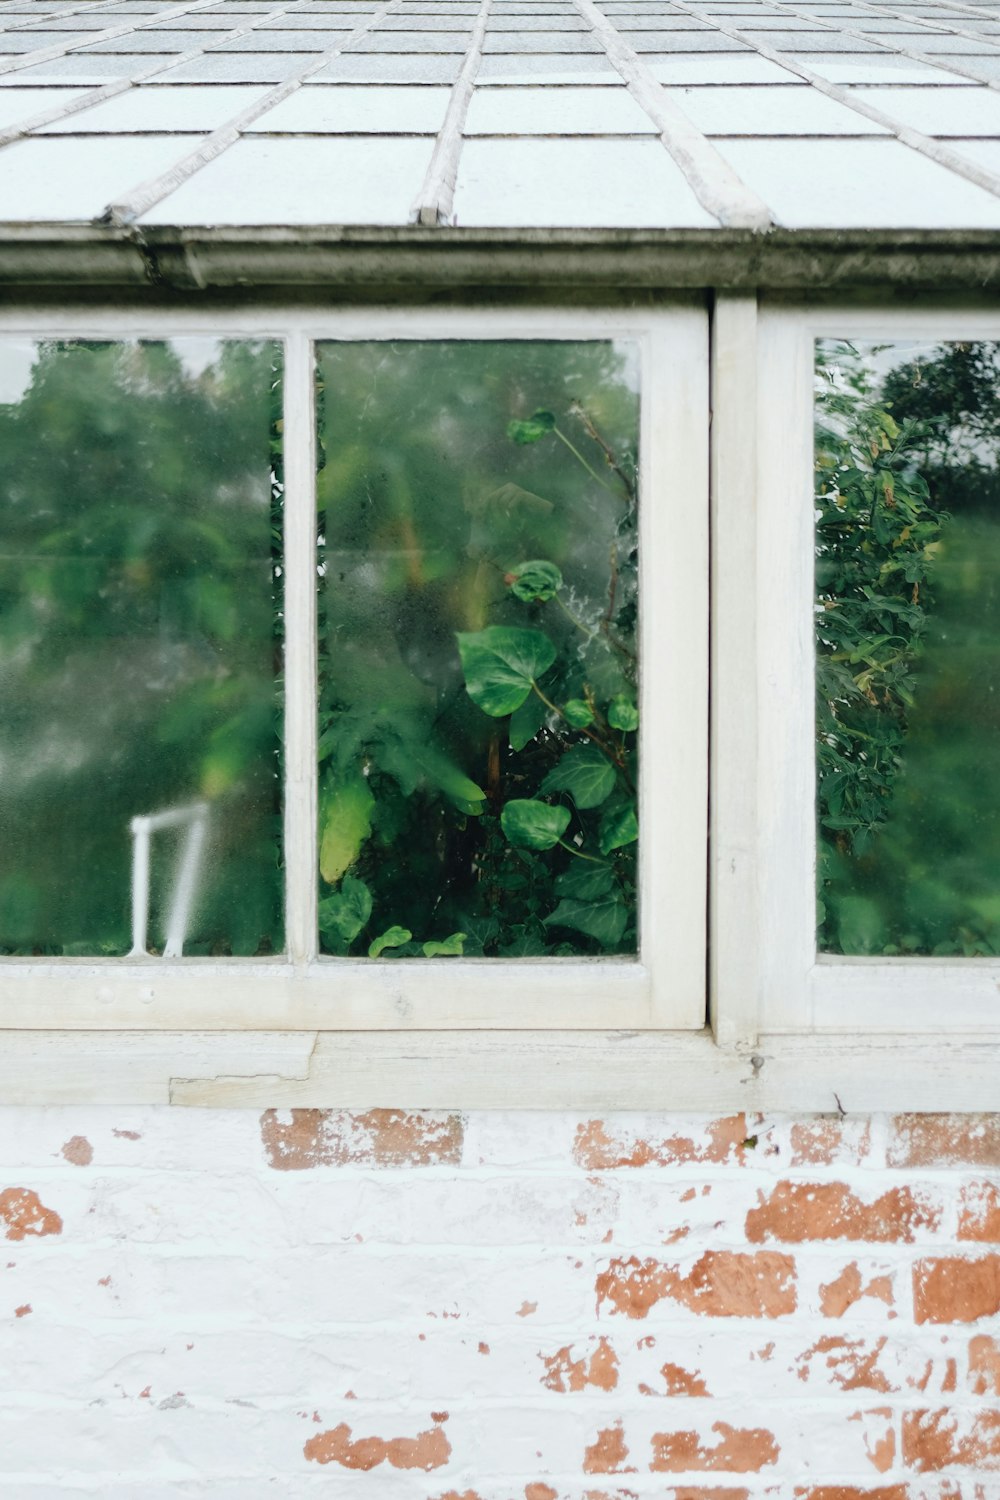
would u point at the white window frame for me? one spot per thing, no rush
(903, 1001)
(663, 989)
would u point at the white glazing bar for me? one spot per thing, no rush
(141, 832)
(436, 198)
(713, 181)
(945, 24)
(141, 198)
(935, 151)
(186, 882)
(56, 15)
(75, 41)
(122, 85)
(299, 523)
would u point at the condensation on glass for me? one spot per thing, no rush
(140, 623)
(478, 659)
(907, 507)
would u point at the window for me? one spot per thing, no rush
(877, 602)
(274, 587)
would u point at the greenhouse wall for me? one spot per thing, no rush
(499, 1306)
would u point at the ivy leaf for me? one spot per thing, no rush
(537, 426)
(501, 663)
(578, 712)
(393, 937)
(345, 821)
(343, 914)
(526, 721)
(535, 580)
(619, 826)
(449, 947)
(529, 824)
(622, 713)
(585, 774)
(584, 882)
(603, 919)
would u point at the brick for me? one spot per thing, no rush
(849, 1287)
(829, 1141)
(984, 1365)
(944, 1141)
(741, 1450)
(25, 1215)
(600, 1145)
(428, 1450)
(878, 1434)
(852, 1364)
(849, 1492)
(608, 1453)
(377, 1138)
(721, 1284)
(945, 1438)
(979, 1212)
(953, 1289)
(795, 1212)
(563, 1373)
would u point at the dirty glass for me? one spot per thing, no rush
(478, 667)
(139, 638)
(907, 509)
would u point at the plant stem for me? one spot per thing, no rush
(580, 459)
(579, 854)
(615, 759)
(590, 634)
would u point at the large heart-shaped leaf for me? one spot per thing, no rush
(585, 881)
(500, 664)
(345, 821)
(585, 773)
(619, 826)
(533, 825)
(526, 721)
(603, 919)
(393, 937)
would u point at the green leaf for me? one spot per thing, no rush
(619, 826)
(526, 721)
(537, 426)
(583, 772)
(578, 712)
(533, 825)
(449, 947)
(343, 914)
(603, 919)
(584, 882)
(535, 580)
(393, 937)
(622, 713)
(444, 774)
(500, 663)
(345, 821)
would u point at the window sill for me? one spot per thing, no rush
(578, 1070)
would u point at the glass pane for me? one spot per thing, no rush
(908, 639)
(138, 645)
(478, 593)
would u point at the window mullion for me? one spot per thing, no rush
(300, 649)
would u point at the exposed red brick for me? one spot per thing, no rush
(428, 1450)
(607, 1453)
(377, 1138)
(853, 1363)
(563, 1373)
(979, 1213)
(539, 1491)
(722, 1284)
(681, 1382)
(828, 1142)
(848, 1492)
(78, 1151)
(984, 1365)
(741, 1450)
(799, 1211)
(454, 1495)
(951, 1289)
(945, 1141)
(526, 1309)
(25, 1214)
(711, 1492)
(23, 1310)
(600, 1146)
(944, 1439)
(879, 1436)
(838, 1295)
(127, 1135)
(615, 1494)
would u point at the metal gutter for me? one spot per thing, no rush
(415, 261)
